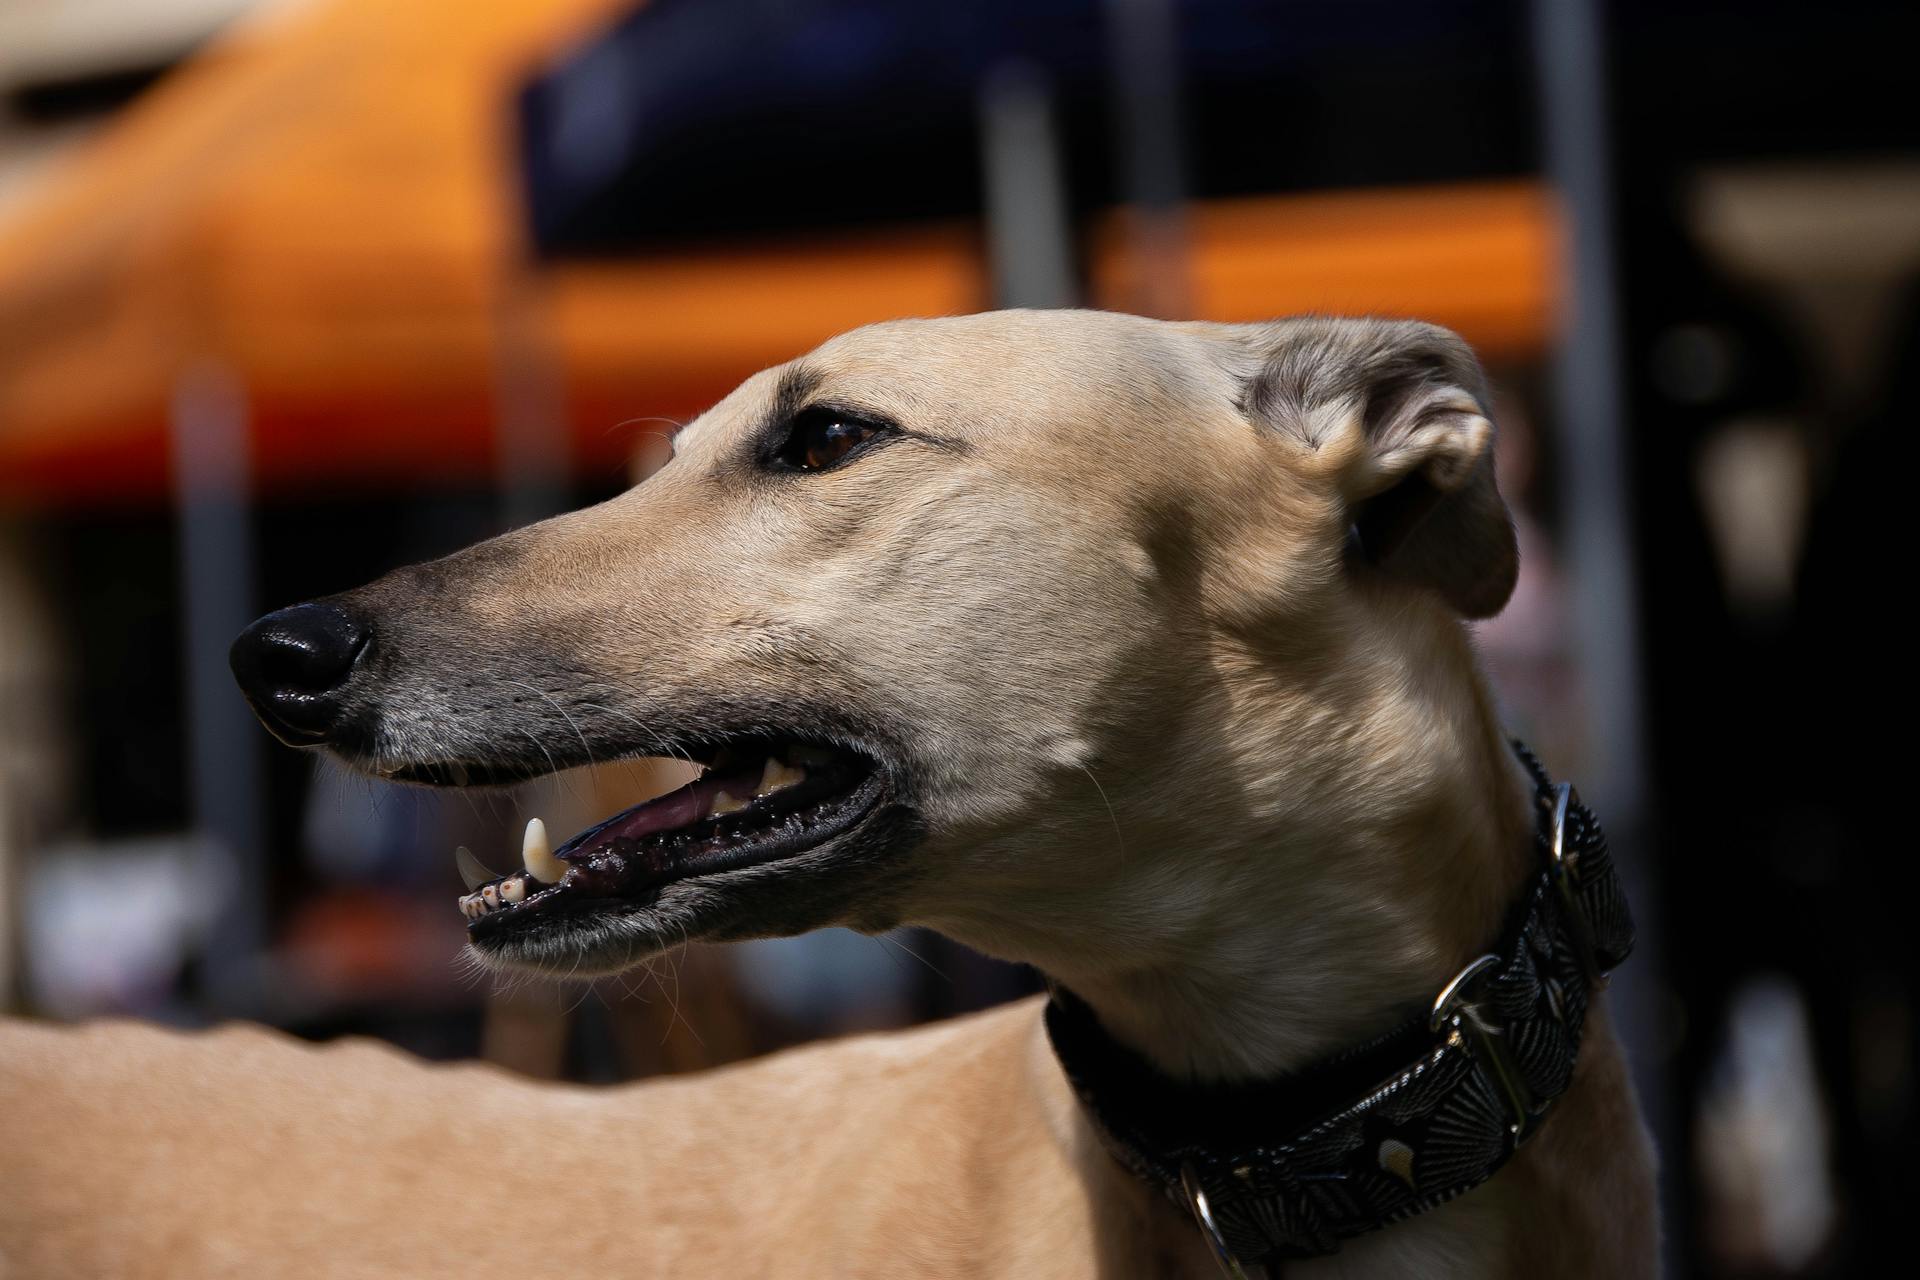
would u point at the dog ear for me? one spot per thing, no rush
(1397, 410)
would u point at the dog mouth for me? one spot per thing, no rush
(758, 801)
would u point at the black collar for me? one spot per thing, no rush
(1290, 1167)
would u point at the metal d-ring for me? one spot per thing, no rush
(1565, 878)
(1202, 1214)
(1562, 801)
(1452, 993)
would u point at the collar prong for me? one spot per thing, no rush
(1486, 1045)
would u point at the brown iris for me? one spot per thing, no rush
(822, 439)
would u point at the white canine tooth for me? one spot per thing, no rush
(724, 803)
(472, 870)
(777, 775)
(538, 857)
(513, 890)
(492, 894)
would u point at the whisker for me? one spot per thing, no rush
(931, 966)
(1119, 840)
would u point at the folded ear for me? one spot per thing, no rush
(1397, 412)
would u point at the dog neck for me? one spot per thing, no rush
(1328, 884)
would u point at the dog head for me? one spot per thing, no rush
(1010, 624)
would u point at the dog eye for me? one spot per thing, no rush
(819, 439)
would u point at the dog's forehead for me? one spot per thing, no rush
(1017, 354)
(998, 366)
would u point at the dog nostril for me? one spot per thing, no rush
(289, 663)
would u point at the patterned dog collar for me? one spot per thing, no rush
(1290, 1167)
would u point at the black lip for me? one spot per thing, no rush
(620, 875)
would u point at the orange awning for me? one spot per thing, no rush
(319, 203)
(324, 204)
(1478, 257)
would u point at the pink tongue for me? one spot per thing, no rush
(675, 809)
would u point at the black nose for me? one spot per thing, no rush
(292, 665)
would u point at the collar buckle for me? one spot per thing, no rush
(1458, 1011)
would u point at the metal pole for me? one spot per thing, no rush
(533, 460)
(1570, 66)
(1146, 80)
(1587, 380)
(1026, 190)
(212, 487)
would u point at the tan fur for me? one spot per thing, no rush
(1169, 736)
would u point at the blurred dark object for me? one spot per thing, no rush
(697, 119)
(693, 119)
(1767, 165)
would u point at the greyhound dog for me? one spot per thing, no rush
(1131, 649)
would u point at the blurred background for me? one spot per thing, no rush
(291, 293)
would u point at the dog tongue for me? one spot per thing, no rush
(675, 809)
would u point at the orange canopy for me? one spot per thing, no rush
(324, 204)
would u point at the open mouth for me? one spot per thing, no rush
(758, 801)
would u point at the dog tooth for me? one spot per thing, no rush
(513, 890)
(778, 775)
(724, 803)
(472, 870)
(492, 894)
(538, 856)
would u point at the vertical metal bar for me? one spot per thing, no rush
(1026, 191)
(533, 471)
(212, 488)
(1570, 66)
(1587, 380)
(533, 459)
(1146, 79)
(10, 880)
